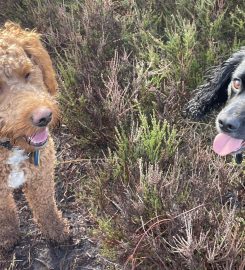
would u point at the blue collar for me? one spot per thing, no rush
(36, 157)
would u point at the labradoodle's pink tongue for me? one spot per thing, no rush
(224, 144)
(40, 136)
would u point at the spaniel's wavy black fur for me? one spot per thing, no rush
(214, 92)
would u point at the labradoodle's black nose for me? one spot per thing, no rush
(228, 124)
(41, 117)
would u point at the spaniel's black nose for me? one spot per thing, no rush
(228, 124)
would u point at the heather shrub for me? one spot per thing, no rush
(151, 182)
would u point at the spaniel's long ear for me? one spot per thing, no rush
(213, 93)
(30, 41)
(36, 51)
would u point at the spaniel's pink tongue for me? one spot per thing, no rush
(40, 136)
(224, 144)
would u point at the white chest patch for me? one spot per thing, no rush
(16, 177)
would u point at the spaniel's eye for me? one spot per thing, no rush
(27, 75)
(236, 84)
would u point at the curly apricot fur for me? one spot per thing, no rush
(27, 82)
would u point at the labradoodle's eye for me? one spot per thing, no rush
(1, 87)
(236, 84)
(27, 75)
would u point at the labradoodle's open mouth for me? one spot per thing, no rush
(224, 144)
(39, 139)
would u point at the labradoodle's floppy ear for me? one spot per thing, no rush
(41, 57)
(214, 92)
(32, 45)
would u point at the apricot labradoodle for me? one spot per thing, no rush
(27, 155)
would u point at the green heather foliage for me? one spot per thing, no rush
(125, 70)
(149, 139)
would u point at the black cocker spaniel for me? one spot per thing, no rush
(226, 83)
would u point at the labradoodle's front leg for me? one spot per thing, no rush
(40, 195)
(9, 222)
